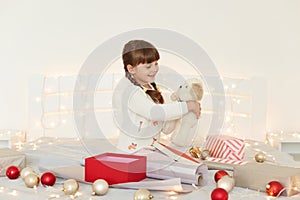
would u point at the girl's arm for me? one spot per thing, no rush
(140, 104)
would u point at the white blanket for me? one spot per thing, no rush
(54, 152)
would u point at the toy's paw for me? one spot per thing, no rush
(174, 97)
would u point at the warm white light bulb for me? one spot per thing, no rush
(14, 193)
(227, 118)
(38, 99)
(37, 124)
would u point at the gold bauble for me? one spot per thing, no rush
(26, 171)
(100, 187)
(31, 180)
(205, 153)
(142, 194)
(70, 187)
(226, 182)
(260, 157)
(195, 152)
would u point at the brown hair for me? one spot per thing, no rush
(137, 52)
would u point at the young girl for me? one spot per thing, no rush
(139, 108)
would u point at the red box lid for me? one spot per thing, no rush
(115, 168)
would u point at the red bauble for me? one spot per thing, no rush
(48, 179)
(13, 172)
(219, 174)
(274, 188)
(219, 194)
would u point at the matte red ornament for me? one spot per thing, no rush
(48, 179)
(219, 194)
(274, 188)
(219, 174)
(13, 172)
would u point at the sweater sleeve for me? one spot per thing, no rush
(142, 105)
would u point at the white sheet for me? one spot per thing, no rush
(57, 152)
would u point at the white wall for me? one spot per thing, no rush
(244, 38)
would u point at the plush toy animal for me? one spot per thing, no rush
(192, 89)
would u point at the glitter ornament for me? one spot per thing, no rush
(48, 179)
(274, 188)
(70, 187)
(13, 172)
(32, 180)
(260, 157)
(100, 187)
(226, 182)
(219, 174)
(219, 194)
(26, 171)
(205, 153)
(142, 194)
(195, 152)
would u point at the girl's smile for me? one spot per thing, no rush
(145, 73)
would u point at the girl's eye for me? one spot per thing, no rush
(186, 86)
(180, 86)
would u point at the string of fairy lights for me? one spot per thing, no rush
(55, 117)
(61, 109)
(55, 93)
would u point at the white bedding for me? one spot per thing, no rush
(59, 152)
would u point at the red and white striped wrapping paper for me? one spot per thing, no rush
(227, 147)
(226, 161)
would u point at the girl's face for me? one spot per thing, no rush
(145, 73)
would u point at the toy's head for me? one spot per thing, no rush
(192, 89)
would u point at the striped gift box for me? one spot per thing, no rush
(223, 146)
(226, 161)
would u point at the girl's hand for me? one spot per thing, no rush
(195, 107)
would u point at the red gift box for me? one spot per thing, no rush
(115, 168)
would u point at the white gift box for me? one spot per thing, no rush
(9, 157)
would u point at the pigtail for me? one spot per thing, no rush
(155, 94)
(131, 78)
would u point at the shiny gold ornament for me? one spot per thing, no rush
(70, 187)
(26, 171)
(226, 182)
(195, 152)
(260, 157)
(100, 187)
(32, 180)
(205, 153)
(142, 194)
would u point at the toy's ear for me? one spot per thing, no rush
(174, 97)
(198, 90)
